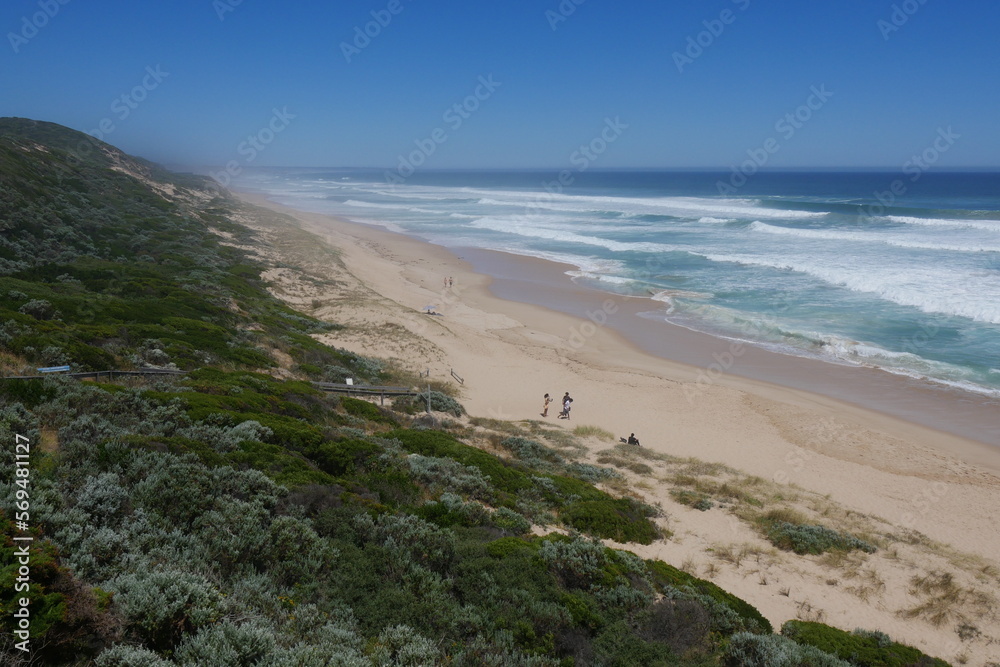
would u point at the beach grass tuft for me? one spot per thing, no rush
(593, 432)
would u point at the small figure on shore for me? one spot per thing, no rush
(632, 440)
(545, 406)
(566, 406)
(451, 283)
(446, 282)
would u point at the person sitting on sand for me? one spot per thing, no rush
(632, 440)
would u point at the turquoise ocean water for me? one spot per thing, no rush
(828, 265)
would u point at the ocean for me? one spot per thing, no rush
(895, 270)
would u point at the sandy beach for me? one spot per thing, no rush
(937, 493)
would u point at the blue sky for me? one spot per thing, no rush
(224, 66)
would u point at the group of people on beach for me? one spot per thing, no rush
(566, 400)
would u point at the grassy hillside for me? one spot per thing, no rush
(236, 515)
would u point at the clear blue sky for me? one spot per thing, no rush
(892, 91)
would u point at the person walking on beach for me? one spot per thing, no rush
(545, 406)
(566, 400)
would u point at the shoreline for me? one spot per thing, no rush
(971, 417)
(950, 411)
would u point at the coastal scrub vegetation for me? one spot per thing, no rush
(236, 514)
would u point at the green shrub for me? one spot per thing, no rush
(531, 452)
(69, 619)
(621, 520)
(439, 403)
(159, 607)
(698, 501)
(504, 477)
(861, 648)
(507, 547)
(590, 473)
(124, 655)
(449, 475)
(345, 457)
(749, 650)
(618, 645)
(510, 521)
(812, 539)
(402, 645)
(284, 467)
(451, 510)
(227, 645)
(365, 410)
(667, 577)
(423, 542)
(569, 489)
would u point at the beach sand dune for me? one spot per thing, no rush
(932, 498)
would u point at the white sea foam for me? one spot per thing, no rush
(676, 206)
(769, 333)
(600, 277)
(593, 265)
(669, 296)
(385, 224)
(989, 225)
(393, 207)
(883, 237)
(933, 290)
(901, 363)
(528, 227)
